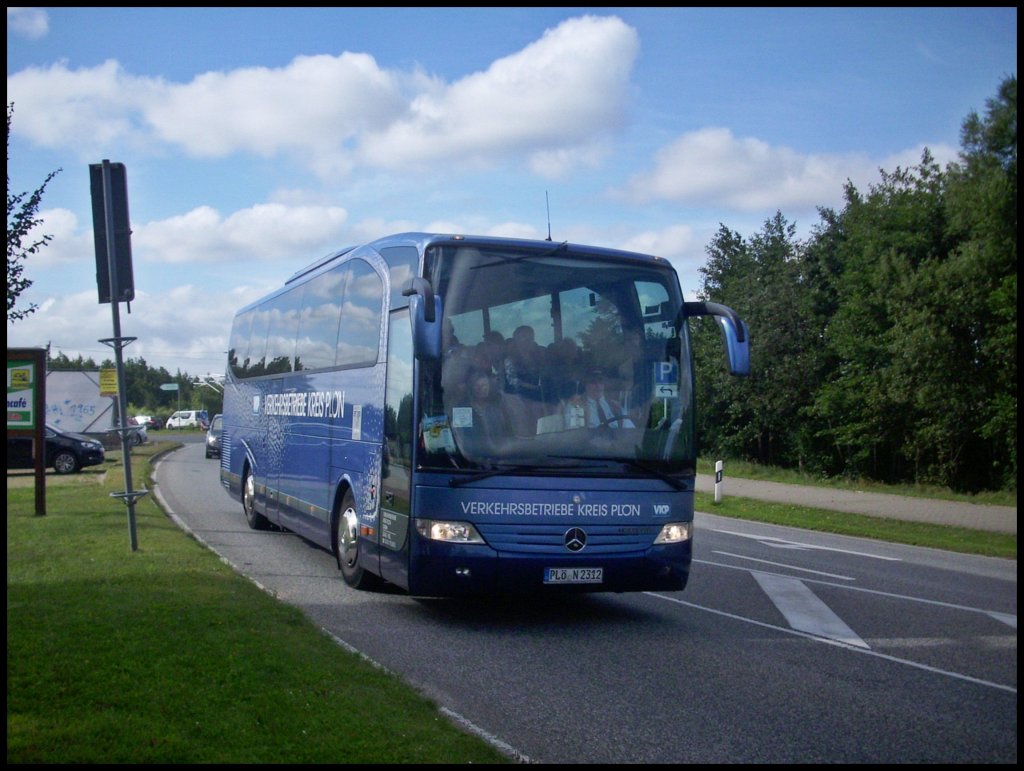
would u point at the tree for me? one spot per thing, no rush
(884, 346)
(758, 417)
(888, 343)
(63, 362)
(982, 213)
(21, 219)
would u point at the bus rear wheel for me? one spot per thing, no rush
(256, 520)
(346, 539)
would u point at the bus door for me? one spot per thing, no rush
(395, 515)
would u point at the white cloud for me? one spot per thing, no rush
(315, 103)
(66, 321)
(671, 241)
(551, 100)
(262, 232)
(552, 104)
(86, 110)
(188, 325)
(31, 23)
(711, 167)
(67, 244)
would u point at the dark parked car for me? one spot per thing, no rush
(151, 422)
(213, 436)
(66, 452)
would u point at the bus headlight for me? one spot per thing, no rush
(452, 532)
(675, 532)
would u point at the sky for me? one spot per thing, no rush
(257, 140)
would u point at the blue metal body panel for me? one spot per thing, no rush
(524, 522)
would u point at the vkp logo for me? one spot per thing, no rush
(662, 509)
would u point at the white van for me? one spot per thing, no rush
(188, 419)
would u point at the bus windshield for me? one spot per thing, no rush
(556, 359)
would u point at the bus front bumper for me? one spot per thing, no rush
(476, 569)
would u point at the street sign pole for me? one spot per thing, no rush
(104, 202)
(172, 387)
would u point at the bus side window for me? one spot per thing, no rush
(238, 348)
(318, 326)
(403, 263)
(360, 317)
(284, 324)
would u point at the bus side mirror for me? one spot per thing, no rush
(425, 318)
(734, 333)
(737, 344)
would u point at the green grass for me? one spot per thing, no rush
(958, 539)
(945, 537)
(165, 655)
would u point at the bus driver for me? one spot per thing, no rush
(597, 408)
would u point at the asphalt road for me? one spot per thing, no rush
(786, 647)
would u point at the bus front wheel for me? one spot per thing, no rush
(347, 545)
(256, 520)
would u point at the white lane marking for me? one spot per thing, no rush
(784, 565)
(1010, 619)
(839, 644)
(804, 611)
(781, 543)
(1007, 618)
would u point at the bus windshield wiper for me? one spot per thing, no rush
(640, 465)
(524, 256)
(506, 470)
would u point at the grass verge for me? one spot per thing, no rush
(746, 470)
(165, 655)
(945, 537)
(956, 539)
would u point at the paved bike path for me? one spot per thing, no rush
(999, 519)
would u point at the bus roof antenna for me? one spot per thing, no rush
(546, 201)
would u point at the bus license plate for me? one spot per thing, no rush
(573, 575)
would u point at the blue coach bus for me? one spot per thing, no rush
(468, 415)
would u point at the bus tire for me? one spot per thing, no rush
(256, 520)
(346, 549)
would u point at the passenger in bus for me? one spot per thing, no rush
(564, 370)
(489, 355)
(523, 364)
(624, 376)
(593, 408)
(489, 418)
(492, 353)
(456, 362)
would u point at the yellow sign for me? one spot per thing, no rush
(108, 382)
(21, 378)
(20, 394)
